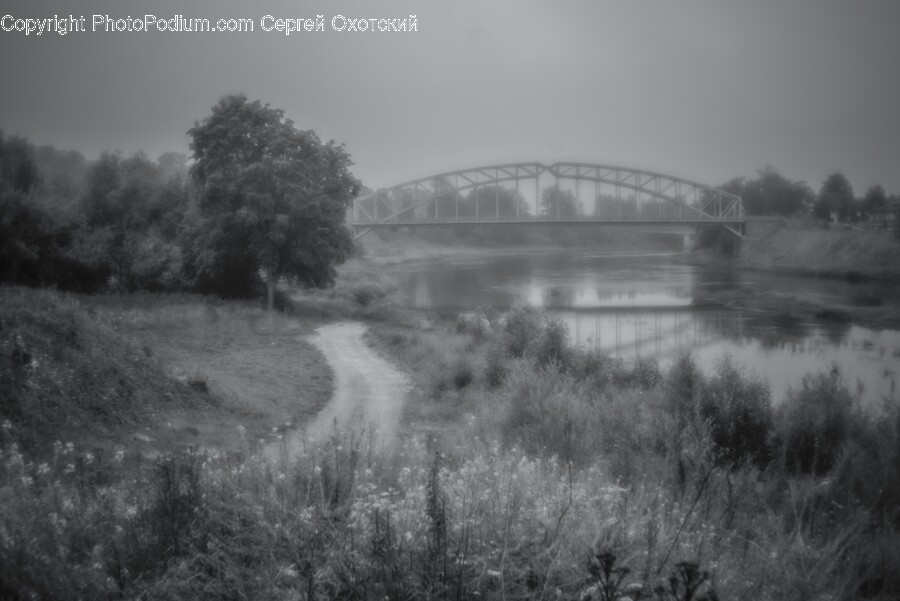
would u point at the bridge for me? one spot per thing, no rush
(578, 194)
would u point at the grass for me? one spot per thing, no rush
(66, 369)
(527, 471)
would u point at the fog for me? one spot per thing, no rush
(703, 90)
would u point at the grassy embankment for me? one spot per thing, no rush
(863, 257)
(528, 471)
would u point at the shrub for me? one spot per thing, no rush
(495, 368)
(552, 345)
(738, 412)
(644, 374)
(814, 423)
(521, 328)
(364, 294)
(592, 367)
(684, 382)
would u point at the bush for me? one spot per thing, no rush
(684, 383)
(521, 328)
(814, 423)
(495, 368)
(644, 375)
(364, 294)
(737, 409)
(552, 344)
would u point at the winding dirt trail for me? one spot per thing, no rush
(369, 392)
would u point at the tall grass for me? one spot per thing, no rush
(568, 475)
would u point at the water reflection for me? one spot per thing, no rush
(635, 305)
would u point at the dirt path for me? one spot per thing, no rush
(369, 392)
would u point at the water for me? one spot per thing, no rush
(643, 305)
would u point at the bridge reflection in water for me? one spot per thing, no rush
(650, 334)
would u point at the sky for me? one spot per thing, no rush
(705, 90)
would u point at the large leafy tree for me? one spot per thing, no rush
(272, 201)
(770, 193)
(836, 195)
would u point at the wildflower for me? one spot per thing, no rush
(119, 456)
(69, 468)
(88, 458)
(43, 469)
(130, 512)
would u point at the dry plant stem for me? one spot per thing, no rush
(687, 516)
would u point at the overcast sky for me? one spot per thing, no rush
(706, 90)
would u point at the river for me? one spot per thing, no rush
(643, 305)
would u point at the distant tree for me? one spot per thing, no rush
(770, 193)
(17, 167)
(173, 165)
(558, 202)
(272, 200)
(836, 195)
(63, 174)
(874, 200)
(492, 201)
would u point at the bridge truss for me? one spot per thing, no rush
(518, 194)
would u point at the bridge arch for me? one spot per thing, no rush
(435, 200)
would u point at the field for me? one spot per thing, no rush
(136, 463)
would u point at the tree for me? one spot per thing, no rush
(493, 201)
(875, 199)
(272, 200)
(770, 193)
(773, 194)
(558, 202)
(835, 196)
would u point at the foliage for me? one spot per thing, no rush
(272, 199)
(737, 409)
(770, 193)
(545, 464)
(521, 328)
(814, 423)
(111, 224)
(556, 202)
(62, 369)
(835, 196)
(486, 202)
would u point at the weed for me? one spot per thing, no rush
(737, 409)
(814, 423)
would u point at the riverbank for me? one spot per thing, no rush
(865, 257)
(834, 253)
(518, 462)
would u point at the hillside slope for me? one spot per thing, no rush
(66, 373)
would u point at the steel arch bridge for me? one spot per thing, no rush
(493, 195)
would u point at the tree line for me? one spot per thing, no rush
(771, 193)
(260, 201)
